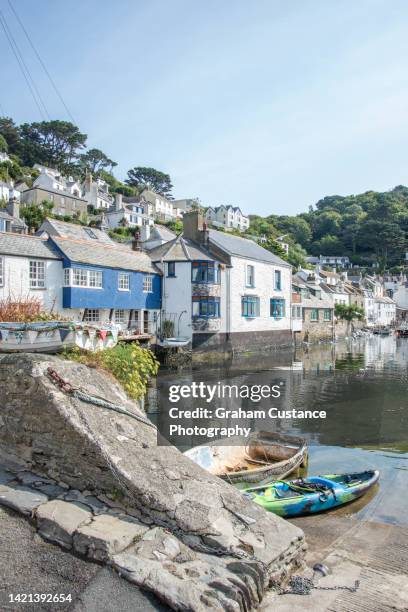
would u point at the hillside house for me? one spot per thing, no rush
(227, 217)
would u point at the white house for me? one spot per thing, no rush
(385, 311)
(228, 291)
(160, 207)
(129, 212)
(337, 261)
(30, 267)
(227, 217)
(96, 193)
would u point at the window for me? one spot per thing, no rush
(79, 277)
(148, 284)
(250, 306)
(124, 281)
(250, 276)
(296, 312)
(90, 233)
(278, 280)
(205, 272)
(277, 308)
(1, 271)
(314, 314)
(120, 316)
(37, 274)
(327, 314)
(208, 307)
(95, 279)
(67, 277)
(171, 268)
(91, 315)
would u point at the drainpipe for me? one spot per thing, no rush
(228, 300)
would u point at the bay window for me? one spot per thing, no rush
(207, 307)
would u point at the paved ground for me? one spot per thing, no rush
(376, 554)
(28, 564)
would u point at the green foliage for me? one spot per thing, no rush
(3, 144)
(348, 312)
(276, 248)
(117, 186)
(175, 226)
(150, 178)
(11, 134)
(35, 214)
(129, 363)
(167, 328)
(95, 161)
(53, 143)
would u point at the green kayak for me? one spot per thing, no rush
(313, 494)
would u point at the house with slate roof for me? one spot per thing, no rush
(227, 217)
(87, 277)
(229, 292)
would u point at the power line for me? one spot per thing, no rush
(23, 67)
(42, 63)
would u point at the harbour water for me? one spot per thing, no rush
(360, 384)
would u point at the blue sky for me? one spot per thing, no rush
(269, 105)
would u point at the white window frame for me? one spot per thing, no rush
(82, 278)
(91, 315)
(2, 271)
(250, 275)
(120, 316)
(124, 281)
(147, 284)
(37, 274)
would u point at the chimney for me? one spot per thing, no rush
(136, 242)
(145, 232)
(13, 208)
(194, 227)
(88, 183)
(118, 201)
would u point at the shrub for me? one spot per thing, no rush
(25, 310)
(130, 364)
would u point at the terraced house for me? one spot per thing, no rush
(81, 273)
(224, 291)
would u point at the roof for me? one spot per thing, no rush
(179, 249)
(60, 192)
(161, 232)
(24, 245)
(384, 300)
(329, 274)
(242, 247)
(75, 231)
(105, 255)
(4, 214)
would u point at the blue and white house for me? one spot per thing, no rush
(81, 273)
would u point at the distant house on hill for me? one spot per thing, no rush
(227, 217)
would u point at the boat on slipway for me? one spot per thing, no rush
(313, 494)
(55, 336)
(263, 456)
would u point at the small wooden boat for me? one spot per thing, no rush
(262, 456)
(54, 336)
(313, 494)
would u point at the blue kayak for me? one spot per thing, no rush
(291, 498)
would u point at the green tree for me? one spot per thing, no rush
(11, 134)
(349, 313)
(3, 144)
(94, 161)
(53, 143)
(35, 214)
(150, 178)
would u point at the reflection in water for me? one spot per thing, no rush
(360, 384)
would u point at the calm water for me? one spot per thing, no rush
(361, 384)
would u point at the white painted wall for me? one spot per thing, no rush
(264, 289)
(17, 282)
(177, 296)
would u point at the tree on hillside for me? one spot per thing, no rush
(349, 313)
(53, 143)
(3, 144)
(11, 134)
(276, 248)
(95, 161)
(151, 179)
(35, 214)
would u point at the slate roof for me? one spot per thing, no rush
(242, 247)
(4, 214)
(105, 255)
(75, 231)
(179, 249)
(24, 245)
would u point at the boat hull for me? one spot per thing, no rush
(338, 494)
(283, 454)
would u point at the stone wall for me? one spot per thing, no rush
(93, 448)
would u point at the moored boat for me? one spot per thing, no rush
(264, 455)
(312, 494)
(54, 336)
